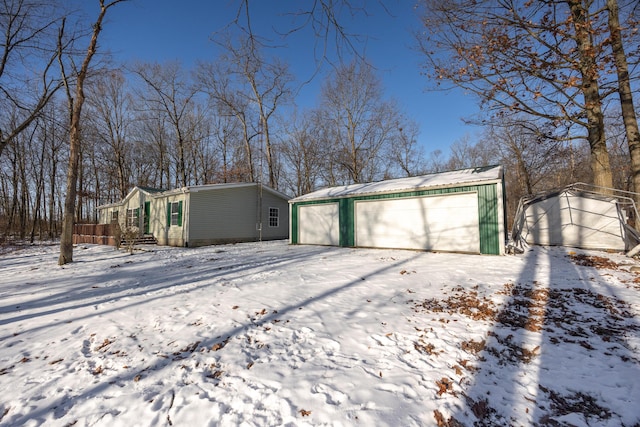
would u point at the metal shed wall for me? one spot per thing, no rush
(573, 220)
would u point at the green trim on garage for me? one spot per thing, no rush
(488, 213)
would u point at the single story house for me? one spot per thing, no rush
(580, 216)
(456, 211)
(203, 214)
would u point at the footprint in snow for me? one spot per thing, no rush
(383, 340)
(332, 396)
(303, 334)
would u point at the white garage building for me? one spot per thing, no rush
(458, 211)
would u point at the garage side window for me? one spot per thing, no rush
(174, 213)
(114, 216)
(274, 217)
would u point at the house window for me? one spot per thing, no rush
(114, 216)
(274, 217)
(174, 213)
(133, 216)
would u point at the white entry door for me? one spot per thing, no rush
(439, 223)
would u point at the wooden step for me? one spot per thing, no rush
(142, 240)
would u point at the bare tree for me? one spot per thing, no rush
(171, 94)
(76, 100)
(225, 133)
(258, 82)
(152, 145)
(532, 163)
(361, 124)
(110, 113)
(203, 158)
(467, 154)
(624, 91)
(269, 88)
(228, 100)
(27, 54)
(542, 59)
(304, 154)
(54, 132)
(405, 152)
(327, 20)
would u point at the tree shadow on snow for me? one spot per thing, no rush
(178, 281)
(128, 278)
(557, 354)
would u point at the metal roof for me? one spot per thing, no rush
(436, 180)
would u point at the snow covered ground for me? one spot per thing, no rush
(272, 334)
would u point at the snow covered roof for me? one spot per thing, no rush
(423, 182)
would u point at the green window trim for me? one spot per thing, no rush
(171, 212)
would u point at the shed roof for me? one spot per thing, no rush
(416, 183)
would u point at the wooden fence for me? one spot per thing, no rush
(100, 234)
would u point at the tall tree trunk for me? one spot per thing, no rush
(52, 187)
(38, 198)
(600, 165)
(182, 166)
(23, 213)
(75, 108)
(247, 145)
(66, 238)
(624, 90)
(269, 154)
(14, 198)
(80, 190)
(524, 177)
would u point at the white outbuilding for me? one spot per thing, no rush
(579, 215)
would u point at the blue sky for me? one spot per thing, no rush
(166, 30)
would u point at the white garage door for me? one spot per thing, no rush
(319, 224)
(441, 223)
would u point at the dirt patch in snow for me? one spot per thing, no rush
(593, 261)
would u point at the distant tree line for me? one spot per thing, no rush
(234, 118)
(162, 126)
